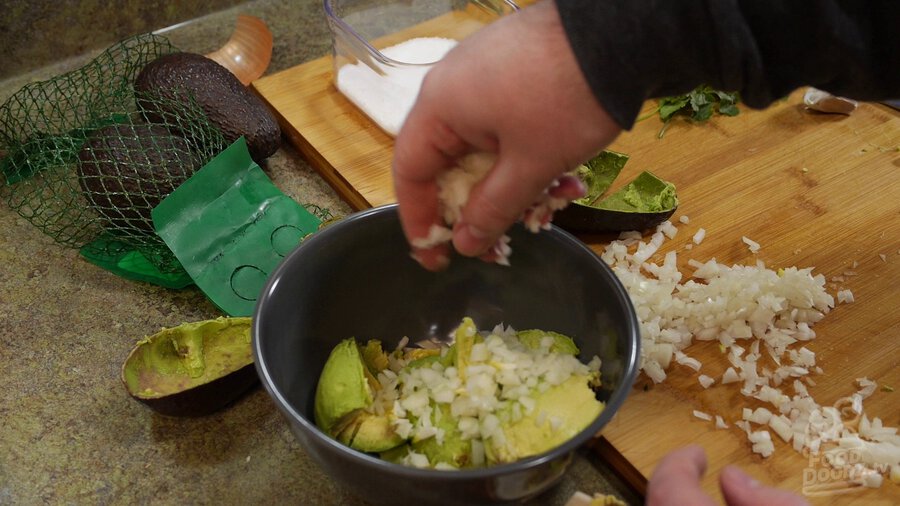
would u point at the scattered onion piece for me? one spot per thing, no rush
(703, 416)
(772, 312)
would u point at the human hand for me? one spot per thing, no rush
(513, 89)
(676, 481)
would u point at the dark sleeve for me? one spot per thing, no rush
(632, 50)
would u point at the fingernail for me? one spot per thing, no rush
(742, 477)
(470, 240)
(476, 232)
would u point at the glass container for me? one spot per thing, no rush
(382, 49)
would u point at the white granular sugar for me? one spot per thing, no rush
(387, 99)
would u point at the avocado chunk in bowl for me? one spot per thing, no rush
(487, 398)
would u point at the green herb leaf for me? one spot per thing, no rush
(699, 105)
(703, 113)
(668, 107)
(728, 110)
(698, 100)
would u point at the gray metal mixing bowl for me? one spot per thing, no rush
(356, 279)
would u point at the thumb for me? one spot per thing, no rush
(740, 489)
(509, 188)
(676, 479)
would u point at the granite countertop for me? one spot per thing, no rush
(71, 434)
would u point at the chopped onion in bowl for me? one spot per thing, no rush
(483, 398)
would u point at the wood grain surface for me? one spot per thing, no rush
(813, 190)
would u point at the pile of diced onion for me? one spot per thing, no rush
(496, 387)
(761, 320)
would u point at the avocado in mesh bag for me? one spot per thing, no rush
(80, 161)
(226, 103)
(125, 170)
(44, 125)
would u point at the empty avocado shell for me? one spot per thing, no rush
(643, 203)
(193, 369)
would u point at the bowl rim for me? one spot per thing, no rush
(631, 359)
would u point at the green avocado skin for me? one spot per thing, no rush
(125, 170)
(207, 398)
(227, 103)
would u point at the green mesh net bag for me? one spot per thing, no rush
(85, 160)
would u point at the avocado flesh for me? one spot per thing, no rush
(374, 357)
(532, 338)
(369, 432)
(191, 369)
(464, 339)
(343, 386)
(645, 194)
(344, 393)
(452, 449)
(571, 403)
(395, 454)
(423, 360)
(599, 173)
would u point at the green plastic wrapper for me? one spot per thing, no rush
(230, 226)
(124, 260)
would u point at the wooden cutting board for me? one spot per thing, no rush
(814, 190)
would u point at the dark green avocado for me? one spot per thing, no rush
(125, 170)
(193, 369)
(228, 104)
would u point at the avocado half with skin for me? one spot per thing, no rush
(193, 369)
(643, 203)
